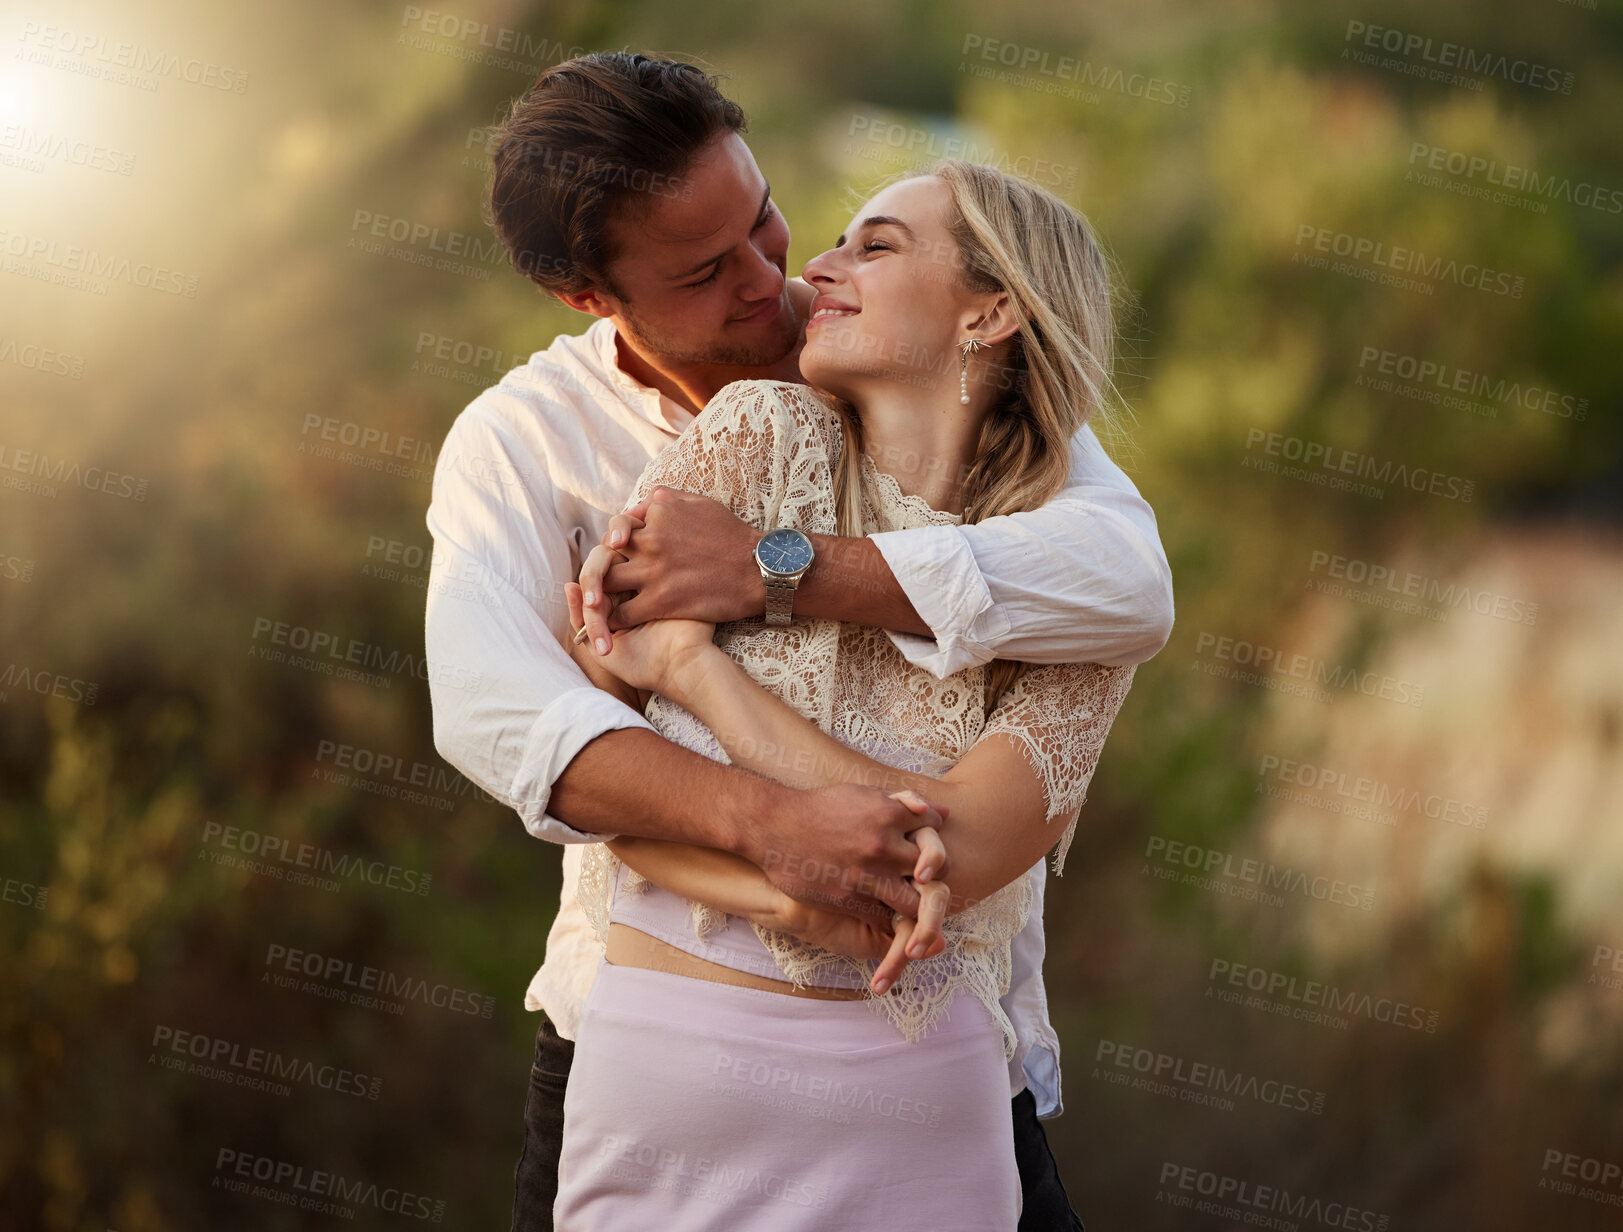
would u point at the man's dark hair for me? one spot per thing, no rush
(594, 141)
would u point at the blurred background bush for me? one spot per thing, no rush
(169, 499)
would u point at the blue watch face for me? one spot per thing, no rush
(785, 551)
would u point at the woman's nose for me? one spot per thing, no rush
(818, 268)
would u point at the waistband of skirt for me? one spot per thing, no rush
(675, 1001)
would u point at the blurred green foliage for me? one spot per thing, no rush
(1225, 332)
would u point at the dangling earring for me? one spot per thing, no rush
(964, 349)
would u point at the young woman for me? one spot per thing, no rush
(744, 1061)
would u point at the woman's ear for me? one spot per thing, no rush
(995, 321)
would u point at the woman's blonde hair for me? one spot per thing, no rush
(1014, 237)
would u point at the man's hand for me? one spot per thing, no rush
(846, 848)
(864, 938)
(685, 556)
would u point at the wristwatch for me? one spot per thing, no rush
(784, 555)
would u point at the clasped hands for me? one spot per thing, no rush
(692, 558)
(648, 598)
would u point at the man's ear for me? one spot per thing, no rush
(590, 300)
(995, 321)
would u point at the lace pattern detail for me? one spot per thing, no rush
(766, 450)
(889, 508)
(977, 958)
(1059, 716)
(595, 892)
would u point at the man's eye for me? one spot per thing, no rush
(704, 282)
(876, 246)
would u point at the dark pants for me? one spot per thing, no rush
(1046, 1208)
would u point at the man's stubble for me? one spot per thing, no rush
(769, 350)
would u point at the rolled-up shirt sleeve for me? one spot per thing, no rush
(511, 708)
(1084, 579)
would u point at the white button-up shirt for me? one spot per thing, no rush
(525, 484)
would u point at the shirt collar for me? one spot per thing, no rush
(653, 404)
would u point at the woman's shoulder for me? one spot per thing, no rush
(788, 408)
(773, 395)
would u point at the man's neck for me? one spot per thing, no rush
(691, 385)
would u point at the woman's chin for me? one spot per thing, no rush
(841, 380)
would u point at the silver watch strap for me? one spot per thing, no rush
(780, 600)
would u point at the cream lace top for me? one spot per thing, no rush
(767, 449)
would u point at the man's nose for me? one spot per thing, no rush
(767, 276)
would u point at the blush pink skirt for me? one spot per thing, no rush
(701, 1107)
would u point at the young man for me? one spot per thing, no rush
(622, 186)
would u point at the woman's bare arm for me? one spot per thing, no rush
(718, 879)
(731, 884)
(995, 797)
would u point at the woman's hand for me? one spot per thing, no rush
(651, 655)
(860, 938)
(598, 606)
(830, 930)
(921, 938)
